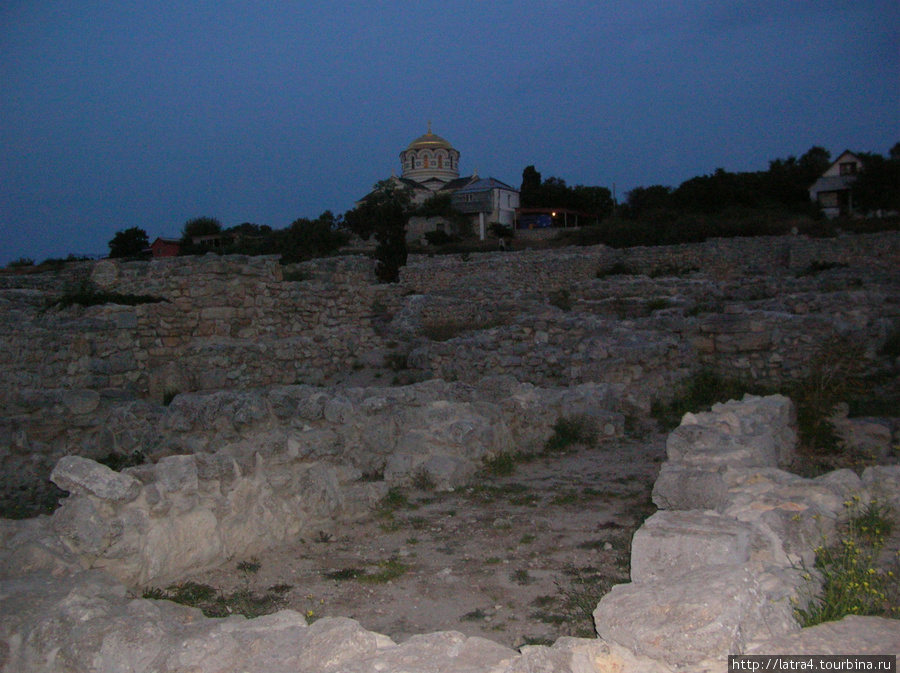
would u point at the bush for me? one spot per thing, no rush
(439, 238)
(569, 431)
(697, 393)
(852, 582)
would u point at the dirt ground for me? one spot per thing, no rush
(518, 559)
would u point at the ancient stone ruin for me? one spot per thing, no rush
(264, 408)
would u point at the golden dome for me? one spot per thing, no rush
(429, 141)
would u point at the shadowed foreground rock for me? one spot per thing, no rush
(706, 583)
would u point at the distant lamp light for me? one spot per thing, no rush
(553, 214)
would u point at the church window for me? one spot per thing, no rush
(440, 161)
(426, 162)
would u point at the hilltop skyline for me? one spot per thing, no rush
(150, 114)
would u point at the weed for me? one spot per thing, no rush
(521, 577)
(322, 537)
(250, 567)
(423, 481)
(852, 583)
(389, 571)
(502, 464)
(579, 594)
(527, 538)
(344, 574)
(477, 615)
(834, 376)
(568, 431)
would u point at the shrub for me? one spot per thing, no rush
(834, 376)
(571, 430)
(852, 582)
(697, 393)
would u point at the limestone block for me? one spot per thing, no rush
(680, 487)
(859, 635)
(440, 652)
(80, 476)
(709, 614)
(883, 483)
(866, 436)
(177, 474)
(670, 544)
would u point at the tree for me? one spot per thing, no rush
(129, 242)
(529, 193)
(308, 239)
(877, 188)
(384, 213)
(195, 228)
(201, 226)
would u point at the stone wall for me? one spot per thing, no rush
(706, 583)
(81, 379)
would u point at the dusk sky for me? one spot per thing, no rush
(148, 112)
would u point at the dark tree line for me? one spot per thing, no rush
(555, 193)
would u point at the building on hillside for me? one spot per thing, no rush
(430, 167)
(489, 201)
(834, 190)
(165, 247)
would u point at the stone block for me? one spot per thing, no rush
(670, 544)
(857, 635)
(82, 476)
(680, 487)
(709, 614)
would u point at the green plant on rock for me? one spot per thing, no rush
(852, 581)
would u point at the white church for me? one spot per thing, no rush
(430, 167)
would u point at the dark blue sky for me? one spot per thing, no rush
(150, 112)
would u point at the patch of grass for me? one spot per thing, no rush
(527, 538)
(388, 571)
(214, 604)
(85, 294)
(322, 537)
(569, 431)
(853, 583)
(477, 615)
(504, 463)
(579, 593)
(521, 577)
